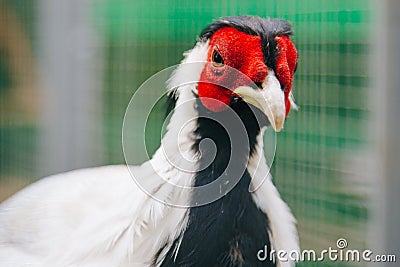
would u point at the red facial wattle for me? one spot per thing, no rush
(286, 66)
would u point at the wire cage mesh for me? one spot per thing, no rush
(315, 167)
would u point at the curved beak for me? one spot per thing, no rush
(270, 99)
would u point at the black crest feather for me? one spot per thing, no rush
(266, 28)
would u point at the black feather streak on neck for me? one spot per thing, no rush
(231, 230)
(230, 132)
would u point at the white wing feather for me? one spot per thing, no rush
(94, 217)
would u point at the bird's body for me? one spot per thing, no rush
(101, 217)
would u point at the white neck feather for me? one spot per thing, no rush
(282, 223)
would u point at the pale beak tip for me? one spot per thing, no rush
(277, 122)
(278, 125)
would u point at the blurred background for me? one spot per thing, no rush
(69, 67)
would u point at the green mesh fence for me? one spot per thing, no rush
(319, 141)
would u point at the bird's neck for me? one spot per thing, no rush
(219, 233)
(224, 141)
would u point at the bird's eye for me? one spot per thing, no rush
(217, 60)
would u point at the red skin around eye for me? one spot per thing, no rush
(242, 52)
